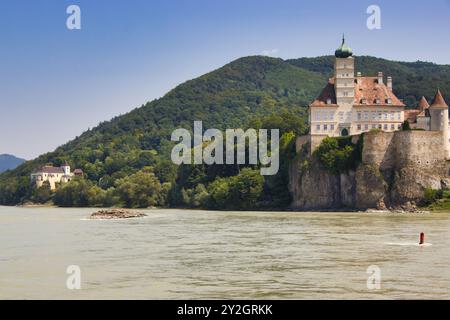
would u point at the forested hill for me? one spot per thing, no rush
(260, 91)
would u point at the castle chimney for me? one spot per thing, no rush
(380, 77)
(389, 83)
(358, 78)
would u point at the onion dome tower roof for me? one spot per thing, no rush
(344, 51)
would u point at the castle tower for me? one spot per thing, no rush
(344, 75)
(439, 119)
(423, 118)
(423, 104)
(66, 168)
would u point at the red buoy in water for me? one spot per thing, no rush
(422, 238)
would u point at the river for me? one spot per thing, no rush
(187, 254)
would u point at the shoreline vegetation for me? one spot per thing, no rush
(438, 207)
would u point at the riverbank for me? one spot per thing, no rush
(439, 206)
(36, 205)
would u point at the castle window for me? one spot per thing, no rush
(392, 127)
(399, 126)
(341, 116)
(359, 116)
(392, 115)
(318, 127)
(366, 127)
(363, 101)
(385, 116)
(325, 127)
(359, 127)
(349, 116)
(374, 126)
(398, 116)
(328, 101)
(385, 127)
(332, 127)
(389, 101)
(377, 101)
(332, 115)
(380, 127)
(366, 115)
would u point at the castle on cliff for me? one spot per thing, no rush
(350, 105)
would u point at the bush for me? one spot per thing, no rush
(338, 155)
(42, 194)
(220, 192)
(406, 126)
(238, 192)
(430, 196)
(140, 190)
(78, 193)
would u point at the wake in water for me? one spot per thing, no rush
(420, 244)
(411, 244)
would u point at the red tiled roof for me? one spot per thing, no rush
(423, 104)
(77, 171)
(438, 101)
(369, 89)
(411, 115)
(50, 169)
(327, 93)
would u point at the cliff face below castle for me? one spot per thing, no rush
(395, 170)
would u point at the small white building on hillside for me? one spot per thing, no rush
(54, 175)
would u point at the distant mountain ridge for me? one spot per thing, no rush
(230, 97)
(9, 162)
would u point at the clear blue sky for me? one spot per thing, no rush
(56, 83)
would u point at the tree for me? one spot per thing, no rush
(337, 155)
(140, 190)
(43, 194)
(220, 193)
(246, 189)
(238, 192)
(406, 126)
(78, 192)
(199, 196)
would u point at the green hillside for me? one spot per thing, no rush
(127, 160)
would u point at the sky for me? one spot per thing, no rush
(56, 83)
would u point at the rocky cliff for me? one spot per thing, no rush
(394, 172)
